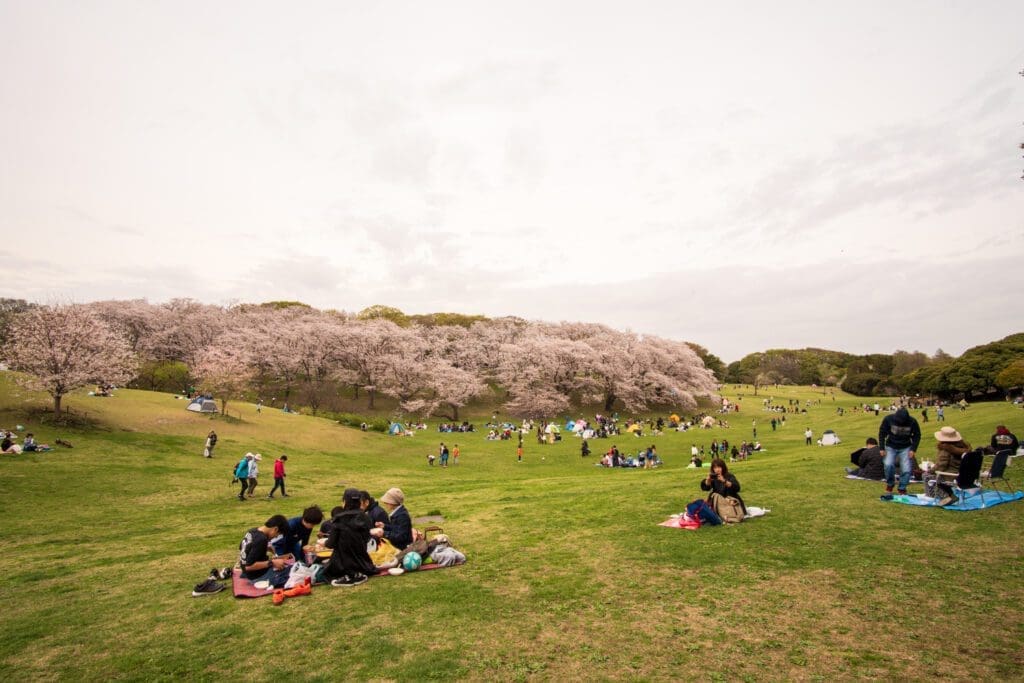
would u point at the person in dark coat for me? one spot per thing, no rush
(870, 464)
(722, 482)
(398, 528)
(1004, 439)
(373, 509)
(351, 530)
(899, 435)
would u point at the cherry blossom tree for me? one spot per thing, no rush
(364, 350)
(225, 369)
(64, 347)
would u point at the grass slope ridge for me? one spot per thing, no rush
(569, 575)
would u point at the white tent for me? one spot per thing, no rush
(829, 438)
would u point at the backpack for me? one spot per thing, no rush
(729, 509)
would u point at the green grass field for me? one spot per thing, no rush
(569, 576)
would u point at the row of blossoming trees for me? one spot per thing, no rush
(307, 356)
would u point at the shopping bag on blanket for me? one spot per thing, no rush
(384, 553)
(702, 511)
(299, 573)
(729, 509)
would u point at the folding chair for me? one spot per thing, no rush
(966, 478)
(996, 471)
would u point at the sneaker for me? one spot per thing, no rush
(208, 587)
(902, 492)
(888, 489)
(350, 580)
(224, 573)
(948, 500)
(285, 495)
(270, 496)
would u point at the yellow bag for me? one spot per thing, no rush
(384, 553)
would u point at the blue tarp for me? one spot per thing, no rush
(973, 500)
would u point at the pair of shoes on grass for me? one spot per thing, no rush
(350, 580)
(220, 574)
(208, 587)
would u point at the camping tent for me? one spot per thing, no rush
(202, 404)
(395, 429)
(829, 438)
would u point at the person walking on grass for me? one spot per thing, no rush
(242, 474)
(899, 435)
(254, 473)
(279, 476)
(455, 454)
(211, 441)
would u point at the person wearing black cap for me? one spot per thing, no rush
(351, 529)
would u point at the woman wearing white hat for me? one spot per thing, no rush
(951, 450)
(254, 472)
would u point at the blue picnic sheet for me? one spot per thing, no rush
(973, 500)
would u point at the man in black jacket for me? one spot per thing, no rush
(900, 435)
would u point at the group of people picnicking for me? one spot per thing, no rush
(9, 443)
(361, 537)
(899, 438)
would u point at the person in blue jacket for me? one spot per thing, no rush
(242, 474)
(398, 528)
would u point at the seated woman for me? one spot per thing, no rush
(398, 528)
(351, 530)
(950, 452)
(722, 482)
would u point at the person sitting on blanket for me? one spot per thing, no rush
(295, 539)
(351, 529)
(325, 528)
(253, 558)
(722, 482)
(398, 528)
(373, 509)
(950, 452)
(869, 461)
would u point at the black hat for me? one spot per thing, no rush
(352, 495)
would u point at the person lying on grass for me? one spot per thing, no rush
(722, 482)
(351, 530)
(253, 558)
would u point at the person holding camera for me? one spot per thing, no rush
(721, 481)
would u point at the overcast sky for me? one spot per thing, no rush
(744, 175)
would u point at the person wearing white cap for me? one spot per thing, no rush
(254, 472)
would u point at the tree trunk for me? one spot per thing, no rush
(355, 389)
(609, 401)
(56, 404)
(371, 393)
(455, 412)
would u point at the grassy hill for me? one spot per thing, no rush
(569, 575)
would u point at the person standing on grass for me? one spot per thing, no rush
(808, 436)
(899, 435)
(242, 474)
(279, 476)
(455, 454)
(254, 473)
(443, 452)
(211, 441)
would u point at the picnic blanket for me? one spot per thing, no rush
(244, 588)
(973, 500)
(854, 476)
(683, 521)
